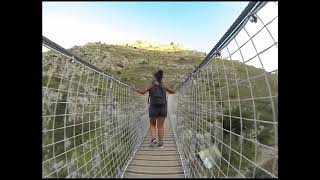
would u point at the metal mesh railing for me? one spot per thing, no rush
(227, 111)
(92, 122)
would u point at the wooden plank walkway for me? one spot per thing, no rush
(153, 162)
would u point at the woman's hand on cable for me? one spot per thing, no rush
(171, 88)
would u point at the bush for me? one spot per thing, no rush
(182, 59)
(124, 78)
(143, 62)
(266, 137)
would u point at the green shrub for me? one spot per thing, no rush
(266, 137)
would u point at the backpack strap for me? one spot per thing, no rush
(149, 92)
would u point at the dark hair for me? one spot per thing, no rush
(159, 75)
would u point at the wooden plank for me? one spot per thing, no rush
(155, 163)
(155, 170)
(168, 141)
(158, 153)
(165, 142)
(165, 132)
(156, 158)
(158, 149)
(165, 138)
(138, 175)
(171, 143)
(165, 135)
(155, 145)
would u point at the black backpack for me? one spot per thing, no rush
(157, 96)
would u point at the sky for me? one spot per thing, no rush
(195, 25)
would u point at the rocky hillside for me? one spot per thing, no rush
(135, 63)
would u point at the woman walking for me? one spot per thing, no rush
(157, 106)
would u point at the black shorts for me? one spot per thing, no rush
(157, 111)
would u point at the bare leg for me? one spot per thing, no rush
(153, 127)
(160, 125)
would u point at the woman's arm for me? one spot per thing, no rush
(171, 89)
(143, 91)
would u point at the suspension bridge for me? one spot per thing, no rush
(219, 124)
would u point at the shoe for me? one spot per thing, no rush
(153, 142)
(160, 145)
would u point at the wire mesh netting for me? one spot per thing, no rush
(227, 112)
(92, 122)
